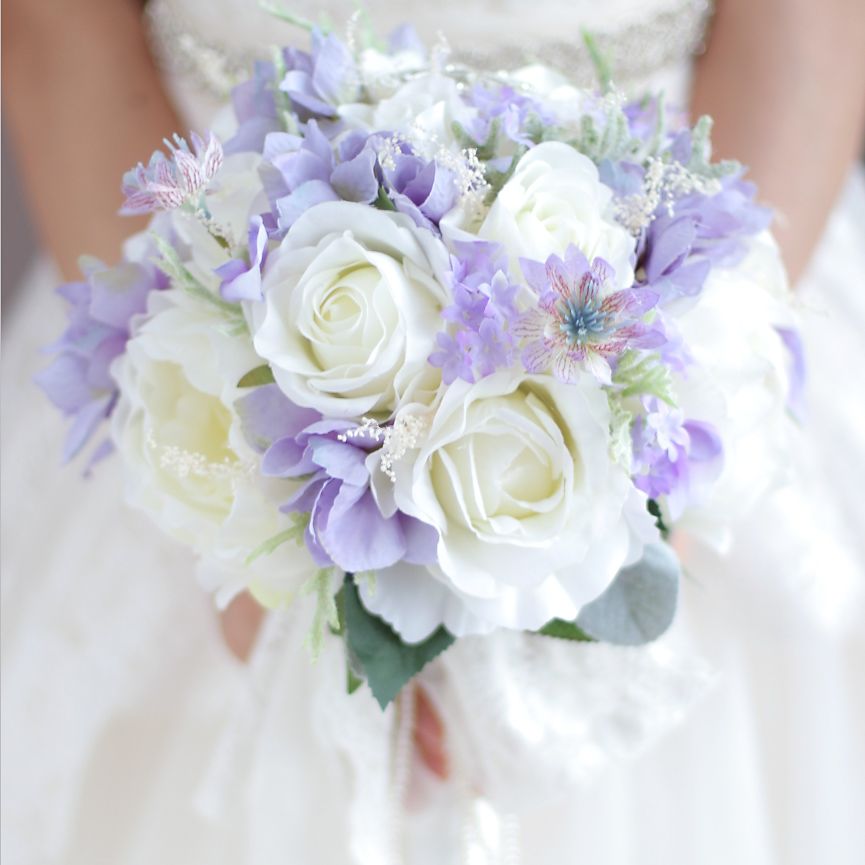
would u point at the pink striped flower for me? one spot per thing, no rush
(581, 321)
(169, 182)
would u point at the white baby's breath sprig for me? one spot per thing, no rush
(663, 183)
(467, 168)
(390, 148)
(183, 463)
(397, 440)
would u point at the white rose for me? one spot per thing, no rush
(555, 199)
(533, 516)
(739, 384)
(185, 458)
(382, 73)
(425, 108)
(352, 302)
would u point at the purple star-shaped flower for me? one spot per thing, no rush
(579, 323)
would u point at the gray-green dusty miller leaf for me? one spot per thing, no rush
(640, 603)
(385, 660)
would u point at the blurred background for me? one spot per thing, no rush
(19, 241)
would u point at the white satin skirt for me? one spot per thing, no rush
(130, 736)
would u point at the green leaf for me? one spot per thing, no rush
(562, 630)
(291, 18)
(641, 602)
(294, 533)
(638, 373)
(352, 681)
(385, 660)
(602, 65)
(655, 510)
(170, 264)
(256, 377)
(326, 613)
(383, 201)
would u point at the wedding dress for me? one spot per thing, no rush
(131, 736)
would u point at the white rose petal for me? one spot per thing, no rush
(426, 107)
(554, 199)
(353, 300)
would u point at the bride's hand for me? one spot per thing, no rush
(240, 623)
(429, 735)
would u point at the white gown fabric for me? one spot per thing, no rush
(132, 737)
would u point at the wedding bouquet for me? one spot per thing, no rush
(443, 350)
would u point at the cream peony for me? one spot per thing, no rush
(533, 517)
(739, 383)
(187, 463)
(553, 200)
(352, 303)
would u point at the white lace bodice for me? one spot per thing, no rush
(206, 45)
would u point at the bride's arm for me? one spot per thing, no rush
(785, 82)
(83, 102)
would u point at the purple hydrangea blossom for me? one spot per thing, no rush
(346, 526)
(642, 117)
(302, 171)
(511, 112)
(480, 337)
(171, 181)
(255, 109)
(701, 231)
(698, 230)
(669, 259)
(421, 188)
(317, 83)
(78, 381)
(792, 340)
(672, 457)
(241, 280)
(576, 323)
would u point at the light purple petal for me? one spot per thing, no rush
(357, 537)
(118, 293)
(796, 396)
(65, 383)
(705, 443)
(83, 426)
(304, 499)
(355, 180)
(287, 458)
(421, 541)
(669, 247)
(535, 273)
(340, 460)
(267, 415)
(293, 206)
(630, 302)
